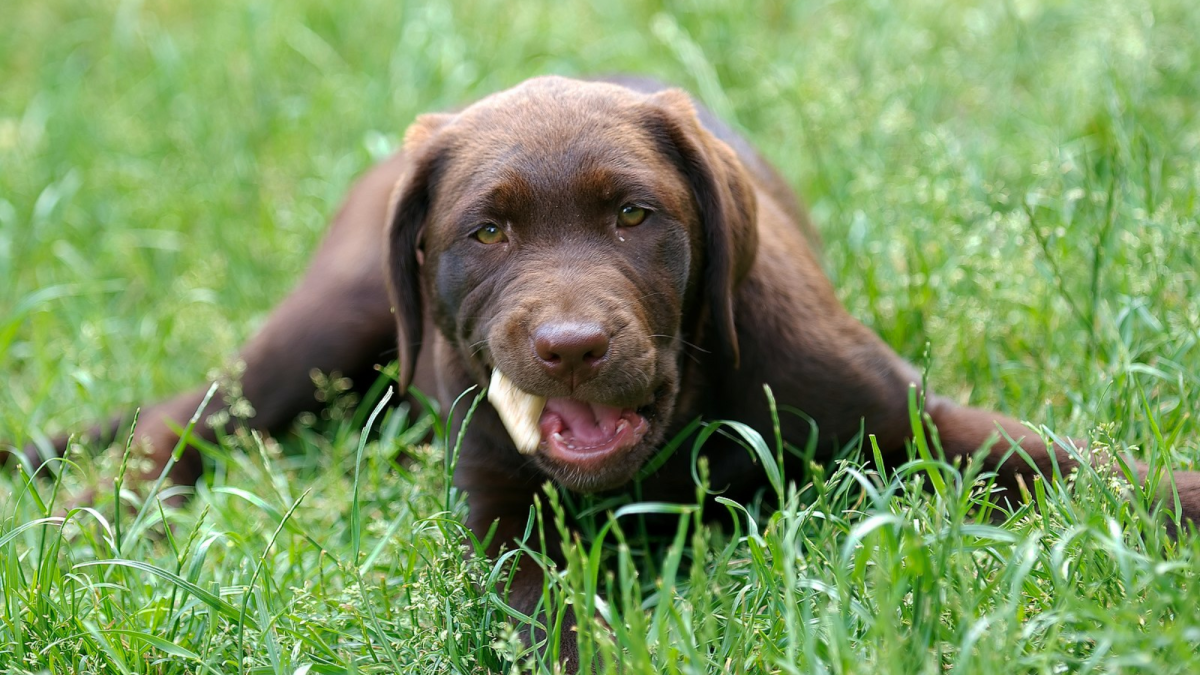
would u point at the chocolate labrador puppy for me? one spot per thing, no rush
(616, 263)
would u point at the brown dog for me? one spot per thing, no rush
(629, 260)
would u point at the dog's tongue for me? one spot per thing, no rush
(589, 424)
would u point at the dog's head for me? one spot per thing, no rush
(575, 236)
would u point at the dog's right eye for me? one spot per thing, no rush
(490, 233)
(631, 215)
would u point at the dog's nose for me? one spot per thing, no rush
(571, 352)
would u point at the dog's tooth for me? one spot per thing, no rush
(518, 410)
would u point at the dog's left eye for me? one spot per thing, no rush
(490, 233)
(631, 216)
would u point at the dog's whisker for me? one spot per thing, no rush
(476, 347)
(680, 340)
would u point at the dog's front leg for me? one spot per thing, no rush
(501, 498)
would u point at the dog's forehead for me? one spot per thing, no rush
(553, 136)
(556, 103)
(551, 119)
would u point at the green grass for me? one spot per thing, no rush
(1013, 183)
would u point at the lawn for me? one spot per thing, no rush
(1008, 193)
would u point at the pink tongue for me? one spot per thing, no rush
(589, 423)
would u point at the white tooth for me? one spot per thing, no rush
(518, 411)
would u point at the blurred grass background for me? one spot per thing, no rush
(1014, 183)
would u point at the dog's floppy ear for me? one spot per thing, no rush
(410, 204)
(725, 198)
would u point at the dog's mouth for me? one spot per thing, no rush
(583, 435)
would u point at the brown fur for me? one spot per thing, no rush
(717, 293)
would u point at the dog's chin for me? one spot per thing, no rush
(597, 477)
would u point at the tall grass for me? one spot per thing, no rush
(1014, 185)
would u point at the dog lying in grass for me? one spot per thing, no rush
(614, 262)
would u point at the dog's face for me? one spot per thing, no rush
(574, 236)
